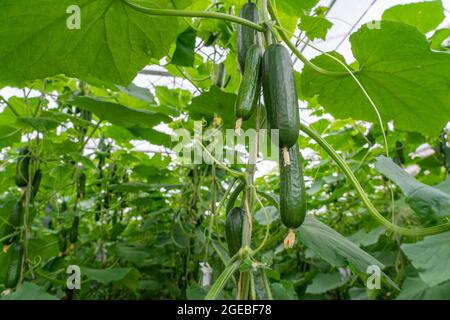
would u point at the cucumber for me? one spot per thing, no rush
(293, 204)
(233, 230)
(15, 220)
(36, 183)
(221, 75)
(246, 37)
(74, 230)
(14, 266)
(400, 152)
(62, 240)
(280, 96)
(250, 87)
(23, 164)
(81, 185)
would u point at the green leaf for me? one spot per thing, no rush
(41, 124)
(423, 199)
(295, 8)
(184, 54)
(425, 16)
(283, 291)
(136, 254)
(430, 257)
(406, 80)
(335, 248)
(8, 136)
(29, 291)
(214, 103)
(438, 39)
(315, 27)
(106, 276)
(324, 282)
(119, 114)
(415, 289)
(272, 213)
(112, 44)
(363, 238)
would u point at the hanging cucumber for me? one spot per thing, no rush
(221, 75)
(246, 37)
(36, 183)
(280, 97)
(15, 221)
(14, 266)
(233, 230)
(292, 195)
(81, 185)
(399, 159)
(62, 241)
(74, 230)
(23, 164)
(250, 87)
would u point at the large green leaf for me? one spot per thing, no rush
(112, 44)
(184, 54)
(315, 27)
(324, 282)
(30, 291)
(214, 103)
(430, 257)
(425, 16)
(335, 248)
(423, 199)
(294, 7)
(119, 114)
(106, 276)
(407, 81)
(415, 289)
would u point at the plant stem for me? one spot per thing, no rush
(302, 58)
(222, 279)
(194, 14)
(412, 232)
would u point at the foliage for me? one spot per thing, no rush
(149, 223)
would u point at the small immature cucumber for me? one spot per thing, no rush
(74, 230)
(280, 96)
(15, 221)
(233, 229)
(221, 75)
(293, 205)
(246, 37)
(62, 240)
(14, 266)
(36, 183)
(81, 185)
(250, 88)
(23, 164)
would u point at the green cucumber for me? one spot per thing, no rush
(74, 230)
(22, 168)
(250, 88)
(81, 185)
(62, 240)
(400, 152)
(246, 37)
(293, 204)
(15, 220)
(233, 229)
(280, 96)
(36, 183)
(14, 266)
(221, 75)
